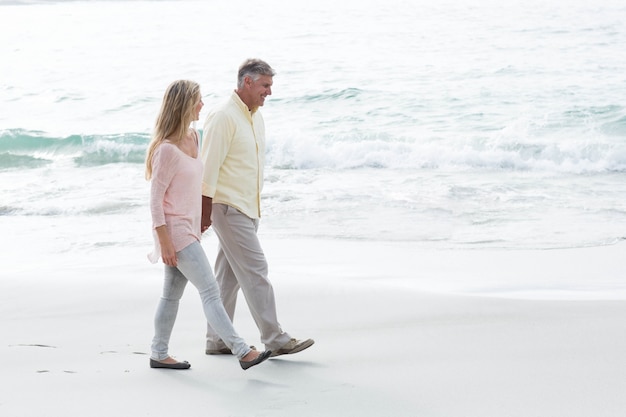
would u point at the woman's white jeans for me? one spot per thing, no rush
(193, 266)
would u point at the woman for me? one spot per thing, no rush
(175, 171)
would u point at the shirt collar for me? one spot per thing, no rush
(241, 104)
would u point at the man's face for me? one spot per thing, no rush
(260, 89)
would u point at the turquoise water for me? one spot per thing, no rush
(496, 124)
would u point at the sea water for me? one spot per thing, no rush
(447, 124)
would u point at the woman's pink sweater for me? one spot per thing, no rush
(175, 197)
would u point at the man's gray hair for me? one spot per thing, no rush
(253, 68)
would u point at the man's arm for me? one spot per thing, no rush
(207, 208)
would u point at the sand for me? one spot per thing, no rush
(399, 330)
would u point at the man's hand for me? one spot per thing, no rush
(207, 208)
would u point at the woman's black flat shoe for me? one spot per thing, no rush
(249, 364)
(177, 365)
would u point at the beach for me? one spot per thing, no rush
(443, 207)
(77, 338)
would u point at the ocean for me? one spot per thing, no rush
(448, 124)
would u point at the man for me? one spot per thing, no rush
(233, 152)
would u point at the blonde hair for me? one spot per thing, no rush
(175, 116)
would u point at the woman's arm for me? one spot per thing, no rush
(168, 253)
(162, 174)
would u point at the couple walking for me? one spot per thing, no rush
(219, 185)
